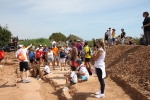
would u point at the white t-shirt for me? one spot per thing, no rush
(84, 70)
(50, 54)
(47, 69)
(52, 43)
(24, 52)
(67, 49)
(73, 76)
(109, 33)
(99, 63)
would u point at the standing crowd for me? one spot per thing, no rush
(75, 54)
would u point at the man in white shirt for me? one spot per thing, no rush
(52, 42)
(46, 71)
(23, 63)
(109, 33)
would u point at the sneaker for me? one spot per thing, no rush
(65, 88)
(21, 80)
(98, 92)
(27, 81)
(100, 96)
(39, 79)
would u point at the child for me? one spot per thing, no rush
(62, 58)
(44, 72)
(72, 78)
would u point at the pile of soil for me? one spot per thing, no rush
(131, 67)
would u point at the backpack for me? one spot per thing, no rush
(90, 51)
(21, 56)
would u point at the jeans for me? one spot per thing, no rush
(147, 37)
(122, 41)
(101, 80)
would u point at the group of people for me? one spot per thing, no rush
(75, 54)
(110, 37)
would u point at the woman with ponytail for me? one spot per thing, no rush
(99, 65)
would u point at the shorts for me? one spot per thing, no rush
(114, 39)
(87, 59)
(56, 57)
(23, 65)
(45, 73)
(109, 40)
(31, 60)
(50, 59)
(37, 59)
(62, 60)
(72, 82)
(43, 57)
(1, 59)
(83, 78)
(78, 53)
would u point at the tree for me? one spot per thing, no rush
(58, 37)
(5, 35)
(73, 37)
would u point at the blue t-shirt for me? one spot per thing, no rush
(62, 54)
(31, 55)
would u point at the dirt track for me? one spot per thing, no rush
(128, 78)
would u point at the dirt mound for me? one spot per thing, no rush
(131, 65)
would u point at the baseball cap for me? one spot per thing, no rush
(20, 46)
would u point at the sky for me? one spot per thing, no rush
(30, 19)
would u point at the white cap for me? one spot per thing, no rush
(20, 46)
(37, 48)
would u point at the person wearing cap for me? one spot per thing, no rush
(87, 55)
(79, 47)
(44, 53)
(109, 33)
(62, 58)
(106, 37)
(38, 56)
(82, 71)
(31, 55)
(114, 36)
(71, 77)
(50, 57)
(23, 64)
(56, 54)
(146, 27)
(123, 34)
(67, 50)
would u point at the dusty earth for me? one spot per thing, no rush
(128, 78)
